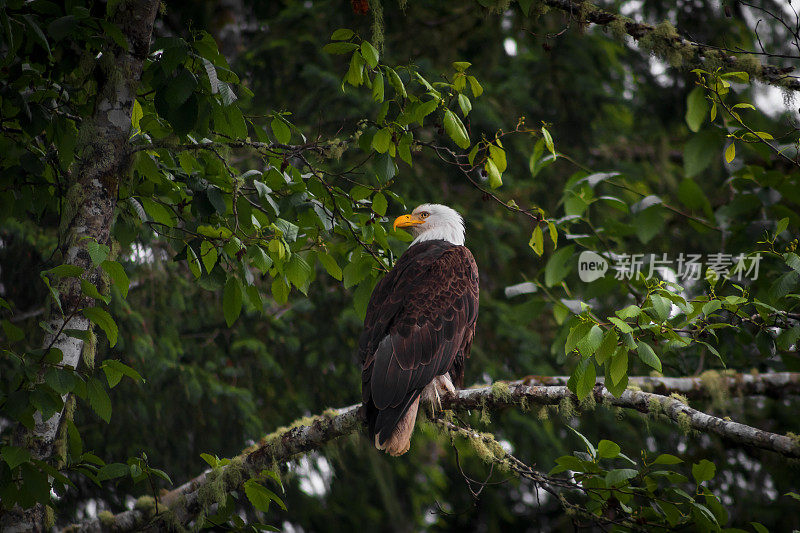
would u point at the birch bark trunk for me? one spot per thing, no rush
(101, 163)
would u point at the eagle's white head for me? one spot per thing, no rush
(433, 221)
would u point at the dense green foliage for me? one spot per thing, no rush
(254, 219)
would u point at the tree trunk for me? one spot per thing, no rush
(102, 162)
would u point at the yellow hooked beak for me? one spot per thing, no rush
(407, 221)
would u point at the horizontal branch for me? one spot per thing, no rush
(665, 42)
(189, 501)
(707, 385)
(273, 148)
(517, 393)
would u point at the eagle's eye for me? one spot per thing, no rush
(424, 214)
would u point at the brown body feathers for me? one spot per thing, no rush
(419, 325)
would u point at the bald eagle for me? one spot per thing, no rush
(419, 326)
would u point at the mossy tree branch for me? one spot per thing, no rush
(192, 499)
(664, 41)
(707, 385)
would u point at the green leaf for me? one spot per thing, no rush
(231, 300)
(553, 233)
(495, 177)
(607, 348)
(118, 276)
(299, 273)
(361, 296)
(667, 459)
(118, 367)
(589, 447)
(703, 471)
(65, 271)
(379, 204)
(385, 169)
(377, 87)
(425, 109)
(711, 306)
(158, 212)
(696, 108)
(210, 459)
(760, 528)
(112, 471)
(700, 151)
(357, 269)
(591, 341)
(339, 48)
(587, 380)
(783, 285)
(396, 82)
(180, 88)
(559, 265)
(214, 233)
(498, 156)
(288, 230)
(228, 97)
(464, 104)
(38, 34)
(330, 265)
(607, 449)
(548, 141)
(261, 496)
(281, 130)
(648, 223)
(12, 332)
(160, 473)
(648, 356)
(661, 307)
(211, 73)
(280, 291)
(576, 333)
(14, 455)
(617, 389)
(741, 77)
(622, 326)
(370, 54)
(208, 254)
(62, 27)
(104, 320)
(98, 399)
(476, 88)
(620, 476)
(619, 365)
(632, 311)
(91, 291)
(381, 140)
(692, 196)
(342, 34)
(98, 252)
(193, 262)
(455, 129)
(730, 152)
(537, 240)
(259, 258)
(62, 380)
(781, 226)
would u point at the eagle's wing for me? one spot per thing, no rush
(420, 322)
